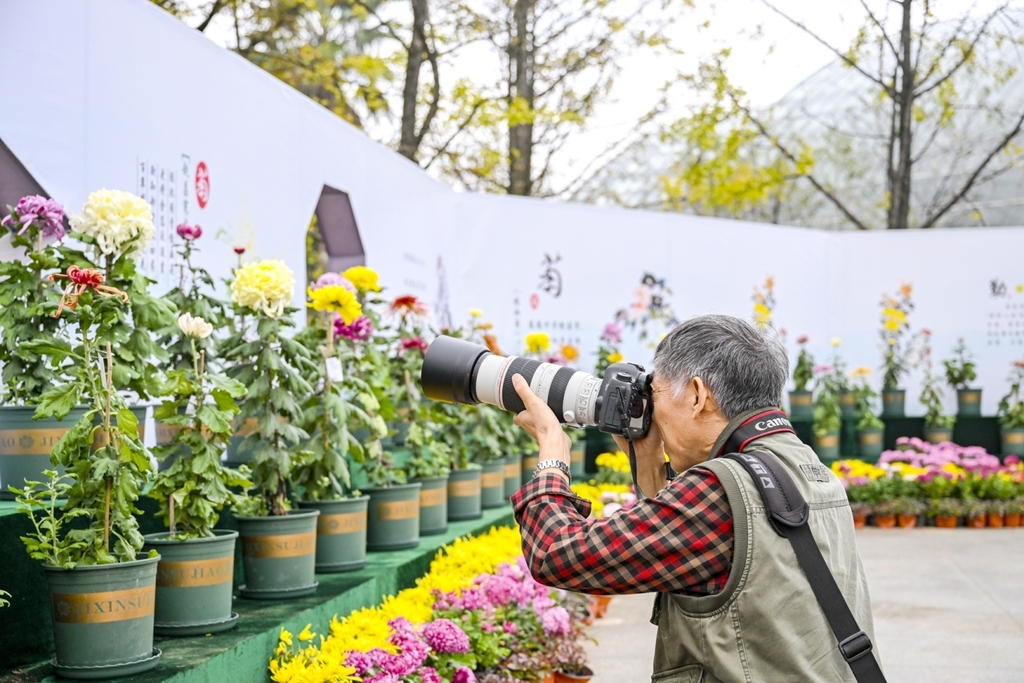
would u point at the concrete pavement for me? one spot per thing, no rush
(948, 605)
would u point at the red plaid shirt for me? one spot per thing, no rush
(680, 541)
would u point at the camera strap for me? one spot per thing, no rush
(788, 513)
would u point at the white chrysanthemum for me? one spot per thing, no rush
(266, 286)
(117, 220)
(194, 326)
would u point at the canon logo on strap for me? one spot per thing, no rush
(772, 424)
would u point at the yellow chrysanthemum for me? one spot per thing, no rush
(570, 352)
(116, 220)
(362, 278)
(617, 461)
(476, 313)
(860, 371)
(615, 357)
(336, 299)
(307, 634)
(836, 342)
(265, 286)
(537, 342)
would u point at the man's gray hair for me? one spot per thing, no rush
(743, 367)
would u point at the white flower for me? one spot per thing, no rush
(194, 327)
(117, 220)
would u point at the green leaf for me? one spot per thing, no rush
(58, 401)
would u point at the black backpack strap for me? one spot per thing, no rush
(788, 512)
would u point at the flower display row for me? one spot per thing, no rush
(943, 482)
(317, 439)
(477, 615)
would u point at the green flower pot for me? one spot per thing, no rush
(801, 403)
(103, 619)
(847, 404)
(870, 443)
(513, 474)
(892, 402)
(827, 446)
(968, 402)
(433, 505)
(578, 460)
(340, 533)
(393, 520)
(529, 465)
(938, 434)
(193, 583)
(25, 445)
(279, 555)
(1013, 440)
(492, 484)
(464, 494)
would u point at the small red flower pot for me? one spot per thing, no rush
(945, 521)
(885, 521)
(907, 521)
(976, 522)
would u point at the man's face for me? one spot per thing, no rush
(689, 421)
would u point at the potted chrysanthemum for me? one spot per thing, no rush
(827, 414)
(870, 428)
(960, 372)
(25, 313)
(801, 404)
(278, 544)
(938, 426)
(342, 402)
(1011, 412)
(192, 295)
(901, 350)
(90, 545)
(196, 571)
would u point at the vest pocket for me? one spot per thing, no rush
(693, 673)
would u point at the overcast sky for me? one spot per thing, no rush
(769, 57)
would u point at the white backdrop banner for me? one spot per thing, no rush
(122, 95)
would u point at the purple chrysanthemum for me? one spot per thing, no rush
(189, 232)
(47, 214)
(332, 279)
(464, 675)
(444, 636)
(555, 621)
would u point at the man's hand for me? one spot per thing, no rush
(540, 423)
(650, 460)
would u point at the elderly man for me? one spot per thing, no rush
(735, 603)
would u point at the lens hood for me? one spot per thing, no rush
(448, 369)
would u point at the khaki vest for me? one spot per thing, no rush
(766, 625)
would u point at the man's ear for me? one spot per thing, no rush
(703, 402)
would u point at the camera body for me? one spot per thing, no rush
(624, 405)
(458, 371)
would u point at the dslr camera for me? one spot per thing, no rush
(458, 371)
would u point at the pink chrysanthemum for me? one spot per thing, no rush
(444, 636)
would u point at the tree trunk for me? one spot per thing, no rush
(899, 205)
(520, 142)
(409, 145)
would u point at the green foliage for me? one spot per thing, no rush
(1011, 406)
(945, 507)
(960, 369)
(332, 416)
(273, 368)
(931, 399)
(102, 453)
(803, 372)
(193, 295)
(3, 594)
(138, 358)
(27, 303)
(827, 413)
(864, 403)
(196, 487)
(41, 502)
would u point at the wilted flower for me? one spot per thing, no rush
(194, 326)
(266, 286)
(491, 341)
(81, 280)
(360, 329)
(189, 232)
(116, 220)
(47, 214)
